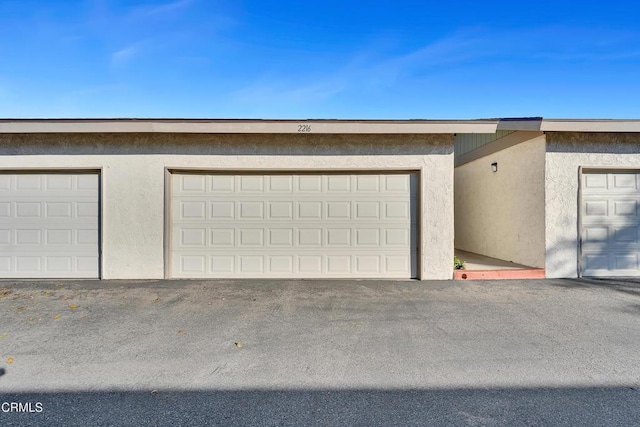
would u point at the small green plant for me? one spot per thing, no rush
(457, 264)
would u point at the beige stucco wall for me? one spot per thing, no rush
(566, 153)
(501, 214)
(133, 173)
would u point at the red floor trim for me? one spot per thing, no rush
(524, 273)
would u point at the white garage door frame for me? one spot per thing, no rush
(98, 170)
(582, 171)
(169, 171)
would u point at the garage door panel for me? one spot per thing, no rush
(251, 184)
(49, 225)
(27, 212)
(627, 235)
(339, 264)
(599, 237)
(610, 232)
(222, 210)
(280, 264)
(280, 237)
(309, 237)
(54, 238)
(367, 264)
(309, 210)
(397, 237)
(250, 264)
(5, 266)
(308, 265)
(59, 263)
(625, 208)
(367, 237)
(596, 208)
(251, 210)
(338, 210)
(280, 211)
(395, 263)
(193, 237)
(595, 262)
(308, 184)
(223, 237)
(625, 261)
(338, 237)
(5, 183)
(193, 183)
(59, 182)
(611, 264)
(338, 183)
(399, 183)
(623, 181)
(367, 210)
(51, 184)
(250, 237)
(223, 184)
(222, 264)
(193, 264)
(367, 183)
(288, 225)
(59, 209)
(192, 210)
(280, 184)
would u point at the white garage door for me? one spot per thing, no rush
(48, 225)
(610, 224)
(294, 225)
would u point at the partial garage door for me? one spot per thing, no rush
(294, 225)
(49, 225)
(610, 224)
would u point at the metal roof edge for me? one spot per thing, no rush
(520, 123)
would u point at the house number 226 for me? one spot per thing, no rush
(304, 128)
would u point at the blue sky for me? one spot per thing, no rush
(319, 59)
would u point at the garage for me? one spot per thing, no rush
(49, 224)
(610, 223)
(293, 225)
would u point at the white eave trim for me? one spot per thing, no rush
(249, 126)
(551, 125)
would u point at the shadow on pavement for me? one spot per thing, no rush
(476, 407)
(630, 286)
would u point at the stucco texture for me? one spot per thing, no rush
(133, 180)
(501, 214)
(566, 153)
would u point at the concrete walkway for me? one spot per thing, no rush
(481, 262)
(480, 267)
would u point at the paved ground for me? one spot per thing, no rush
(554, 352)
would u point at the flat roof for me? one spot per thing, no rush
(233, 126)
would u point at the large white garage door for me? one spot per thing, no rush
(294, 225)
(610, 224)
(49, 225)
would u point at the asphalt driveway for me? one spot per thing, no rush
(272, 352)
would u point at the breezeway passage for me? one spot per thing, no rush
(299, 225)
(49, 225)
